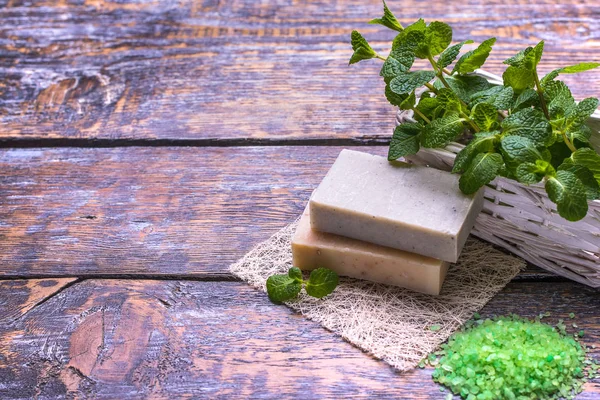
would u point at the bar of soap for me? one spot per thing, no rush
(413, 208)
(350, 257)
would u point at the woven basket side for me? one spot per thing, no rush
(523, 220)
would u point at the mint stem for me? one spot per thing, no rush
(421, 115)
(540, 92)
(380, 57)
(568, 142)
(431, 87)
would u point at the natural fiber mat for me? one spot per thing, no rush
(394, 324)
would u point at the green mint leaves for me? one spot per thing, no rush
(529, 129)
(285, 287)
(388, 20)
(362, 49)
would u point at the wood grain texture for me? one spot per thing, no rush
(171, 339)
(151, 211)
(164, 211)
(268, 70)
(20, 296)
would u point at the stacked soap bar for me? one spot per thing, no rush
(385, 221)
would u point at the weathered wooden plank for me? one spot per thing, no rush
(175, 339)
(20, 296)
(271, 70)
(149, 211)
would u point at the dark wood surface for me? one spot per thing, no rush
(235, 110)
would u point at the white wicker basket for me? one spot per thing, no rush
(523, 220)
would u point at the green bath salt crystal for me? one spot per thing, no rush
(511, 358)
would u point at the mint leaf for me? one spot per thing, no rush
(588, 158)
(569, 194)
(530, 173)
(442, 131)
(485, 116)
(450, 54)
(482, 170)
(517, 150)
(282, 288)
(483, 142)
(295, 273)
(528, 58)
(409, 102)
(526, 99)
(409, 81)
(322, 282)
(581, 67)
(362, 49)
(580, 113)
(586, 177)
(405, 140)
(438, 37)
(518, 78)
(449, 101)
(402, 56)
(394, 98)
(474, 59)
(466, 85)
(388, 20)
(529, 123)
(561, 102)
(500, 97)
(572, 69)
(427, 106)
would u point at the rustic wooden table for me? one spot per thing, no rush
(146, 145)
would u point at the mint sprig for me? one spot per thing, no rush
(285, 287)
(529, 129)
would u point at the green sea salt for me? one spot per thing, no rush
(510, 358)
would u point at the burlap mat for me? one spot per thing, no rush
(396, 325)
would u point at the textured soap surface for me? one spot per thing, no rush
(407, 207)
(357, 259)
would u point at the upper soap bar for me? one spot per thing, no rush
(407, 207)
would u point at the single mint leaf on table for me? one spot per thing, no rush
(438, 36)
(442, 131)
(483, 142)
(322, 282)
(450, 54)
(569, 194)
(485, 116)
(409, 81)
(474, 59)
(585, 176)
(362, 49)
(282, 288)
(296, 274)
(388, 20)
(529, 123)
(405, 140)
(482, 171)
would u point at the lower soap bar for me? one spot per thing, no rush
(357, 259)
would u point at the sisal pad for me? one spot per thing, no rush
(389, 322)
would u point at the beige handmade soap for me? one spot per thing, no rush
(351, 257)
(407, 207)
